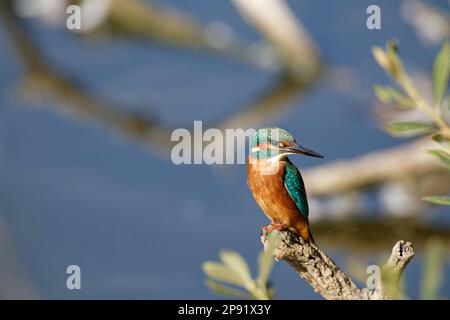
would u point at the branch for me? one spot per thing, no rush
(361, 235)
(372, 168)
(279, 25)
(77, 100)
(326, 278)
(392, 271)
(163, 24)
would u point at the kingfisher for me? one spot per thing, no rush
(276, 183)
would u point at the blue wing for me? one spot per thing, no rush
(293, 182)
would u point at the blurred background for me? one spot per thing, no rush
(86, 117)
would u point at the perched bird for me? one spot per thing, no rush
(275, 181)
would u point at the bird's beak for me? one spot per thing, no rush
(298, 149)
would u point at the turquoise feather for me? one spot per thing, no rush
(293, 182)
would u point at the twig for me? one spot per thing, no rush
(326, 278)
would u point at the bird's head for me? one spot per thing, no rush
(275, 144)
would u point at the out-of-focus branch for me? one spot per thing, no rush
(76, 100)
(172, 27)
(432, 24)
(362, 234)
(272, 18)
(166, 25)
(372, 168)
(327, 279)
(276, 21)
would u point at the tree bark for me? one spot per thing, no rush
(327, 279)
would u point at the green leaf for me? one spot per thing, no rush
(221, 272)
(441, 72)
(443, 200)
(432, 278)
(389, 59)
(234, 261)
(442, 139)
(266, 260)
(396, 63)
(221, 289)
(388, 94)
(271, 292)
(381, 58)
(409, 128)
(441, 155)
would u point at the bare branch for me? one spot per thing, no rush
(75, 98)
(276, 21)
(372, 168)
(392, 271)
(327, 279)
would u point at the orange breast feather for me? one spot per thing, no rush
(272, 196)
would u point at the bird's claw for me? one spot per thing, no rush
(274, 226)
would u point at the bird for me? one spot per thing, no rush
(276, 183)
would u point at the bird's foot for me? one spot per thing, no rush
(275, 226)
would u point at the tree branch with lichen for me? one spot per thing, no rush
(327, 279)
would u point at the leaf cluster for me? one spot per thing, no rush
(409, 97)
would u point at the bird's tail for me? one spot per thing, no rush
(303, 231)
